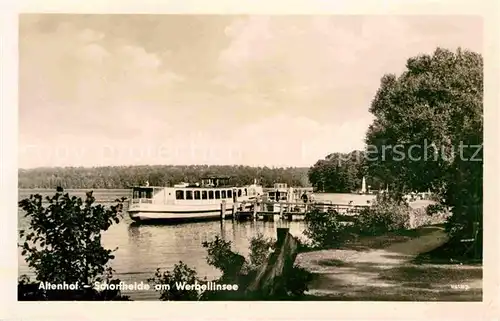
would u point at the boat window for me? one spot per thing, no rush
(197, 195)
(143, 194)
(245, 192)
(217, 194)
(203, 195)
(239, 192)
(179, 195)
(211, 195)
(189, 195)
(229, 194)
(223, 194)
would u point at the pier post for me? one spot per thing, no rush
(235, 210)
(254, 214)
(282, 209)
(276, 217)
(223, 210)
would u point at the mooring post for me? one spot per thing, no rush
(235, 210)
(254, 215)
(223, 210)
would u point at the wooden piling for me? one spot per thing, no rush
(223, 210)
(254, 214)
(235, 211)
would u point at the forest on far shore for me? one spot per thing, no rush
(117, 177)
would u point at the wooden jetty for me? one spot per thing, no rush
(274, 211)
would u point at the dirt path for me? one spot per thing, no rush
(389, 274)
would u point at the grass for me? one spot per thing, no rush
(451, 252)
(365, 243)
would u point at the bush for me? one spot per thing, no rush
(430, 215)
(325, 229)
(220, 256)
(383, 216)
(260, 248)
(63, 244)
(169, 280)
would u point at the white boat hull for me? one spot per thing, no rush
(177, 213)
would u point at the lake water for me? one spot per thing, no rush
(144, 248)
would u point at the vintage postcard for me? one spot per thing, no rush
(252, 157)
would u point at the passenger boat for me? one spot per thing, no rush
(189, 202)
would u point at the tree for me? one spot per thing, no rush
(338, 172)
(63, 243)
(428, 132)
(160, 175)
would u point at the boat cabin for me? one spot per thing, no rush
(282, 193)
(211, 189)
(279, 192)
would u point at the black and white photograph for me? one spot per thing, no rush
(250, 157)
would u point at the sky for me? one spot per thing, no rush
(101, 90)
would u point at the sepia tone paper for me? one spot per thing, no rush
(110, 77)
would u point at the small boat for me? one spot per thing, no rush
(280, 196)
(189, 202)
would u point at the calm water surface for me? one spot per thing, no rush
(144, 248)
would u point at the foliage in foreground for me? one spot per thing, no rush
(169, 279)
(63, 245)
(235, 270)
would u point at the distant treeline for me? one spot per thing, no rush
(126, 176)
(342, 173)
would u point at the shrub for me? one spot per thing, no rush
(220, 256)
(325, 229)
(260, 248)
(429, 215)
(168, 282)
(63, 244)
(385, 215)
